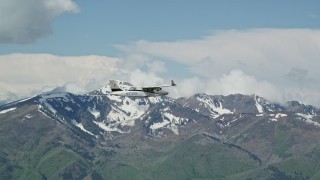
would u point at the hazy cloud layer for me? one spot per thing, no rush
(24, 75)
(256, 50)
(26, 21)
(279, 64)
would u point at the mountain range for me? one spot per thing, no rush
(60, 135)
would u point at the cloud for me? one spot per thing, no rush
(233, 46)
(28, 74)
(26, 21)
(280, 64)
(134, 61)
(233, 82)
(157, 67)
(188, 87)
(139, 77)
(297, 75)
(237, 81)
(24, 75)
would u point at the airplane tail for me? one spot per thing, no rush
(172, 83)
(114, 86)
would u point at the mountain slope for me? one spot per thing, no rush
(100, 136)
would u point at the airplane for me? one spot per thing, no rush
(122, 88)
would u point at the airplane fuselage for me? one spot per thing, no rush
(135, 93)
(122, 88)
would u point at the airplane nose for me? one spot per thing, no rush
(163, 93)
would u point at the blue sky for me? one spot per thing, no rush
(99, 25)
(269, 48)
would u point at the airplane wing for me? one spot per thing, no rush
(158, 88)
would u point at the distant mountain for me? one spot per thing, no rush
(61, 135)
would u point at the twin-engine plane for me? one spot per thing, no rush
(122, 88)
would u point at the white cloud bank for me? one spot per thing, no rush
(25, 21)
(24, 75)
(255, 50)
(279, 64)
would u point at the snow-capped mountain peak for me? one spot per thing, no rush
(98, 112)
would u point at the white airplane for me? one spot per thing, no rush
(122, 88)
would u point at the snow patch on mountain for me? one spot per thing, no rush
(305, 116)
(28, 116)
(259, 107)
(173, 128)
(94, 111)
(7, 110)
(109, 128)
(79, 125)
(154, 100)
(42, 111)
(159, 125)
(168, 120)
(117, 117)
(48, 97)
(275, 117)
(124, 111)
(49, 113)
(23, 100)
(47, 105)
(127, 111)
(216, 109)
(115, 98)
(164, 124)
(174, 121)
(221, 110)
(68, 108)
(308, 119)
(280, 115)
(105, 90)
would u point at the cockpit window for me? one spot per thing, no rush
(125, 83)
